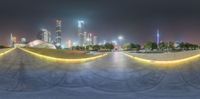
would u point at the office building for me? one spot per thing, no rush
(58, 33)
(44, 35)
(81, 33)
(94, 41)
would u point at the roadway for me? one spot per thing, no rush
(115, 76)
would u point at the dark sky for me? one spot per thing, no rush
(136, 20)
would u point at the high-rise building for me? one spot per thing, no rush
(90, 39)
(44, 35)
(94, 41)
(13, 40)
(69, 44)
(58, 33)
(81, 32)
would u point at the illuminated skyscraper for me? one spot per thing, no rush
(58, 33)
(81, 32)
(69, 44)
(94, 41)
(13, 40)
(44, 35)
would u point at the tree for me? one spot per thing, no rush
(163, 46)
(131, 46)
(150, 46)
(171, 46)
(109, 46)
(96, 47)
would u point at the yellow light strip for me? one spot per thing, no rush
(62, 59)
(6, 52)
(179, 61)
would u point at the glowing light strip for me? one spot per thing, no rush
(6, 52)
(62, 59)
(163, 62)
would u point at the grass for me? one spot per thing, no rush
(68, 54)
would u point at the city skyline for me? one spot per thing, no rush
(177, 20)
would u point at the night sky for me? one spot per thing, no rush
(136, 20)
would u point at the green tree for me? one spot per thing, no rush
(109, 46)
(131, 46)
(150, 46)
(163, 46)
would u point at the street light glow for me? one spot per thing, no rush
(120, 37)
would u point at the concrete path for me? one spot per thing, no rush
(23, 76)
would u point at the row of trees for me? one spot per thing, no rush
(131, 46)
(169, 46)
(149, 46)
(105, 47)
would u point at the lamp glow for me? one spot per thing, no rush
(179, 61)
(6, 52)
(64, 60)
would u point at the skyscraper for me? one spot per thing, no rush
(58, 33)
(94, 41)
(44, 35)
(81, 32)
(11, 40)
(69, 44)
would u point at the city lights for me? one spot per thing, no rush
(80, 23)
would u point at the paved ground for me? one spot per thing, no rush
(116, 76)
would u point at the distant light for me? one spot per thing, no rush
(75, 44)
(88, 39)
(114, 42)
(80, 22)
(104, 42)
(120, 37)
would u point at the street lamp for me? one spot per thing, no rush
(120, 38)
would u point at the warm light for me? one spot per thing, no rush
(179, 61)
(6, 52)
(64, 60)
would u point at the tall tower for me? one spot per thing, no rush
(58, 33)
(44, 35)
(11, 40)
(158, 37)
(94, 40)
(81, 32)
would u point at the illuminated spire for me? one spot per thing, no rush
(158, 37)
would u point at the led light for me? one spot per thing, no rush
(179, 61)
(64, 60)
(6, 52)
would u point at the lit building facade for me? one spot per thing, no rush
(94, 41)
(81, 33)
(13, 40)
(44, 35)
(69, 44)
(58, 39)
